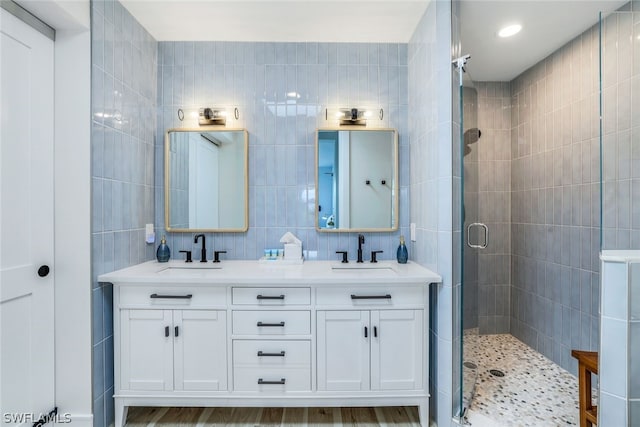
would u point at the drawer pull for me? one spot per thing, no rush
(387, 296)
(281, 324)
(261, 353)
(166, 331)
(261, 381)
(261, 297)
(188, 296)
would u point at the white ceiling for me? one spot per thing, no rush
(279, 21)
(547, 25)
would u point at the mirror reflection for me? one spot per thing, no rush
(206, 180)
(356, 180)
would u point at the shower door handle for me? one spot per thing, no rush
(486, 235)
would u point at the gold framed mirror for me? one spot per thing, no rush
(206, 180)
(357, 187)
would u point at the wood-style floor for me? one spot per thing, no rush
(244, 417)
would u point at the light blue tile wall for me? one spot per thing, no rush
(555, 294)
(492, 176)
(123, 91)
(256, 78)
(621, 121)
(432, 185)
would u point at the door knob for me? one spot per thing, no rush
(43, 271)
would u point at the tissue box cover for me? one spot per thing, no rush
(292, 251)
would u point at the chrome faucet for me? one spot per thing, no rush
(360, 242)
(203, 251)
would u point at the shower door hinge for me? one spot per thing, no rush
(460, 62)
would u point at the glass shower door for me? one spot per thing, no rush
(485, 159)
(474, 236)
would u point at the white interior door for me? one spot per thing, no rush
(26, 221)
(203, 184)
(372, 159)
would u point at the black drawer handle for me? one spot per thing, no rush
(260, 297)
(281, 324)
(188, 296)
(387, 296)
(262, 353)
(261, 381)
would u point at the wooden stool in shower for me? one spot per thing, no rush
(587, 364)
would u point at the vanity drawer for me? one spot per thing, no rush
(162, 296)
(371, 295)
(272, 353)
(271, 322)
(271, 296)
(271, 380)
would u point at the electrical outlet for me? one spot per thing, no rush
(150, 235)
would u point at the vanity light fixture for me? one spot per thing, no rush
(210, 116)
(353, 116)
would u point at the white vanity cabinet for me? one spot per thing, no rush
(371, 337)
(164, 350)
(271, 339)
(248, 334)
(370, 350)
(170, 339)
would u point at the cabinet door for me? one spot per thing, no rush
(200, 350)
(343, 350)
(146, 352)
(396, 350)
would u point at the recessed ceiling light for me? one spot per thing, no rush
(510, 30)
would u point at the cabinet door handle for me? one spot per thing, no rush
(281, 324)
(387, 296)
(176, 331)
(154, 296)
(375, 331)
(261, 381)
(261, 297)
(262, 353)
(166, 332)
(366, 332)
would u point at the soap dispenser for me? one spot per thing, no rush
(402, 253)
(163, 253)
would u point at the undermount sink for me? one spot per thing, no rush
(362, 267)
(189, 269)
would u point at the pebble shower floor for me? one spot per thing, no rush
(535, 392)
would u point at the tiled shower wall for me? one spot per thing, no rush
(487, 184)
(555, 202)
(621, 126)
(432, 154)
(493, 176)
(123, 79)
(281, 91)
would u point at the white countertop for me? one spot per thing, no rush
(620, 255)
(271, 273)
